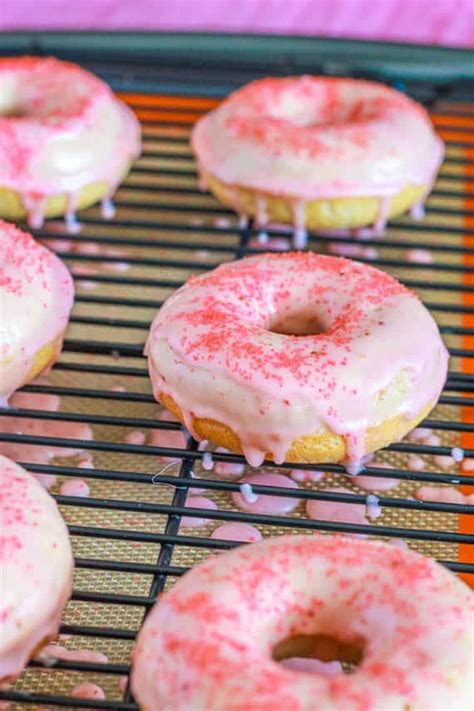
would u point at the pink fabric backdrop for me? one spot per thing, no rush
(447, 22)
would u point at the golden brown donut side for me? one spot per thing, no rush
(13, 209)
(321, 448)
(337, 213)
(45, 358)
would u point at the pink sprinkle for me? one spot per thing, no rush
(335, 510)
(123, 683)
(266, 503)
(74, 487)
(419, 256)
(87, 690)
(444, 462)
(416, 463)
(135, 437)
(372, 483)
(308, 665)
(197, 502)
(118, 389)
(242, 532)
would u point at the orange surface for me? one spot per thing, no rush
(466, 523)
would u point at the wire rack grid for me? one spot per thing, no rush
(132, 535)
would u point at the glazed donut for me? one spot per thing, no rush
(214, 640)
(65, 140)
(317, 152)
(36, 297)
(36, 566)
(296, 357)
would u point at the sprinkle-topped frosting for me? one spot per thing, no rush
(318, 138)
(36, 567)
(61, 128)
(222, 348)
(208, 642)
(36, 297)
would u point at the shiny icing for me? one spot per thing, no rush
(213, 348)
(61, 128)
(36, 297)
(36, 566)
(308, 138)
(208, 642)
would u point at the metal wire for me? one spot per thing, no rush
(167, 250)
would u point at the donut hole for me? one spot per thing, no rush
(297, 324)
(324, 648)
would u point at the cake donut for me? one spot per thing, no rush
(214, 641)
(317, 152)
(36, 566)
(296, 357)
(36, 297)
(66, 142)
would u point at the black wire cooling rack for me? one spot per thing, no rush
(128, 536)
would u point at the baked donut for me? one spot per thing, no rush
(36, 566)
(36, 297)
(215, 639)
(317, 152)
(65, 140)
(296, 357)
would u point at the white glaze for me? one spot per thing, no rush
(208, 642)
(211, 349)
(36, 297)
(61, 128)
(306, 138)
(36, 566)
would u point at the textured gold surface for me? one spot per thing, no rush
(339, 213)
(197, 211)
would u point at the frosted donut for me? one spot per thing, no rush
(318, 152)
(366, 365)
(36, 297)
(36, 566)
(65, 140)
(213, 640)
